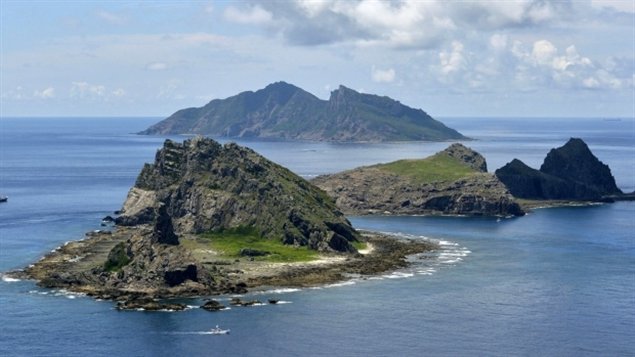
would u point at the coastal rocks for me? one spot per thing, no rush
(570, 172)
(178, 276)
(451, 182)
(147, 304)
(212, 305)
(467, 156)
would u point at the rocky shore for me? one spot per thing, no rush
(74, 267)
(195, 224)
(454, 181)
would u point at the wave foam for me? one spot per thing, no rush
(8, 279)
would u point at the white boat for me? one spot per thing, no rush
(219, 331)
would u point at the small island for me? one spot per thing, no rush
(207, 219)
(569, 174)
(451, 182)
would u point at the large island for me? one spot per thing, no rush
(284, 111)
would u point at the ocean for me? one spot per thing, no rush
(557, 282)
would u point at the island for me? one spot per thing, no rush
(207, 219)
(284, 111)
(568, 173)
(454, 181)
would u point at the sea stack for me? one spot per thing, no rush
(570, 172)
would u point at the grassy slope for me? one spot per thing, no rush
(227, 245)
(436, 168)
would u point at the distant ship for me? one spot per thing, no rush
(4, 198)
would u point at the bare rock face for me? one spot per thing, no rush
(468, 156)
(376, 190)
(570, 172)
(202, 186)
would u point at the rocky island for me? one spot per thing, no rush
(284, 111)
(208, 219)
(570, 172)
(454, 181)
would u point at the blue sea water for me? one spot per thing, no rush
(557, 282)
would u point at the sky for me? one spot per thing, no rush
(526, 58)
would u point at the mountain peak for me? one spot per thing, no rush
(467, 156)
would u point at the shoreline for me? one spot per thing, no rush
(67, 268)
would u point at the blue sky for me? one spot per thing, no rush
(463, 58)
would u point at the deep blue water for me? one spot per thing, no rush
(558, 282)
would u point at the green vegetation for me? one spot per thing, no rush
(437, 168)
(359, 245)
(228, 243)
(117, 258)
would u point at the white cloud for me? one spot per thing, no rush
(252, 15)
(619, 5)
(382, 75)
(498, 41)
(454, 60)
(84, 90)
(543, 52)
(111, 18)
(45, 93)
(119, 92)
(399, 23)
(156, 66)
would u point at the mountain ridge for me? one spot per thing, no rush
(284, 111)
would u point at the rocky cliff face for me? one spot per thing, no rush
(284, 111)
(410, 188)
(194, 187)
(202, 186)
(570, 172)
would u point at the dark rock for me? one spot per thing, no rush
(574, 162)
(108, 219)
(149, 305)
(201, 186)
(466, 155)
(178, 276)
(282, 110)
(570, 172)
(250, 252)
(163, 229)
(212, 305)
(146, 215)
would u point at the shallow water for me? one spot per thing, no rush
(559, 281)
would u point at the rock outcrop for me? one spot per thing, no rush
(284, 111)
(191, 188)
(570, 172)
(453, 182)
(202, 186)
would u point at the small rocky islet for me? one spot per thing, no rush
(196, 222)
(207, 219)
(454, 181)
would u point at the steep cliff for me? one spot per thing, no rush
(570, 172)
(453, 181)
(284, 111)
(204, 186)
(190, 218)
